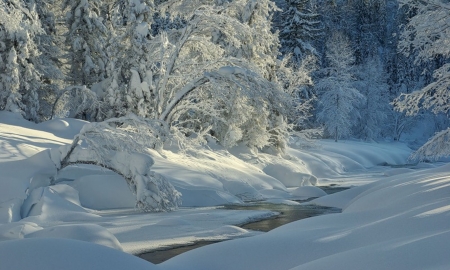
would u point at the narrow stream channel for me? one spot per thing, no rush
(288, 213)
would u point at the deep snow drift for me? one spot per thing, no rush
(388, 214)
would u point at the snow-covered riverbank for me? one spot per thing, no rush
(387, 215)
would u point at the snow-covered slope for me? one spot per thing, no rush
(398, 223)
(389, 213)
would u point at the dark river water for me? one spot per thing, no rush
(287, 214)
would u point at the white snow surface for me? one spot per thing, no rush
(392, 218)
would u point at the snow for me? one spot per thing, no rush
(49, 253)
(116, 197)
(308, 192)
(398, 214)
(398, 223)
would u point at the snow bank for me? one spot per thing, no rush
(401, 212)
(84, 232)
(10, 211)
(22, 139)
(65, 128)
(398, 223)
(114, 194)
(49, 253)
(308, 192)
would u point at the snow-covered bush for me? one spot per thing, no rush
(435, 148)
(119, 144)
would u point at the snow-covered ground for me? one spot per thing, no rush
(393, 218)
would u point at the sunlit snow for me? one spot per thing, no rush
(84, 218)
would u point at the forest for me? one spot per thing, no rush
(234, 71)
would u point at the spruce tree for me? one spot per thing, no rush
(300, 28)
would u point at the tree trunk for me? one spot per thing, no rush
(336, 135)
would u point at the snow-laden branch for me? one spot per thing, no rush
(180, 95)
(119, 145)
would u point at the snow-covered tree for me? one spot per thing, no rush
(300, 26)
(298, 84)
(48, 63)
(374, 111)
(338, 98)
(86, 38)
(119, 144)
(427, 35)
(215, 71)
(19, 79)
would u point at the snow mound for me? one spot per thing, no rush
(64, 128)
(399, 222)
(84, 232)
(288, 176)
(114, 194)
(308, 192)
(49, 253)
(10, 211)
(198, 197)
(17, 230)
(54, 203)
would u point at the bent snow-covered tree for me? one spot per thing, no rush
(119, 144)
(427, 34)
